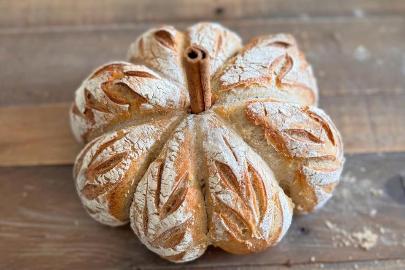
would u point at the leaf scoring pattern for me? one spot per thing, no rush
(267, 67)
(107, 170)
(160, 49)
(308, 137)
(119, 91)
(243, 215)
(294, 130)
(168, 212)
(165, 38)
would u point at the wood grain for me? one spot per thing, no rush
(48, 66)
(361, 265)
(43, 225)
(47, 13)
(36, 135)
(360, 77)
(368, 124)
(47, 47)
(40, 135)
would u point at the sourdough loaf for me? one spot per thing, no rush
(198, 140)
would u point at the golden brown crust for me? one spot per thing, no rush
(296, 131)
(247, 210)
(168, 212)
(120, 92)
(307, 136)
(299, 143)
(267, 67)
(107, 170)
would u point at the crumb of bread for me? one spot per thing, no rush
(366, 239)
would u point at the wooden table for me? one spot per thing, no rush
(357, 49)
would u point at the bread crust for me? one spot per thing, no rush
(161, 49)
(300, 143)
(247, 209)
(168, 212)
(267, 67)
(121, 92)
(108, 169)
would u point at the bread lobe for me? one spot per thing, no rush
(299, 143)
(247, 209)
(119, 92)
(267, 67)
(168, 211)
(107, 171)
(161, 49)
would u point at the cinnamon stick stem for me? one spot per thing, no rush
(196, 63)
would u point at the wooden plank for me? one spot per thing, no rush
(36, 135)
(33, 135)
(361, 265)
(350, 57)
(25, 13)
(369, 124)
(361, 79)
(43, 225)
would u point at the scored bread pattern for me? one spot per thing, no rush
(161, 49)
(109, 167)
(231, 176)
(300, 143)
(168, 212)
(268, 66)
(248, 210)
(119, 91)
(307, 135)
(296, 131)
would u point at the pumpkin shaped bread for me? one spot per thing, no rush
(199, 141)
